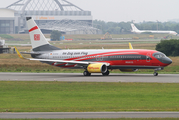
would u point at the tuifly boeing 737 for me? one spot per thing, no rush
(135, 30)
(92, 60)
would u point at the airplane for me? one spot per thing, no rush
(135, 30)
(92, 60)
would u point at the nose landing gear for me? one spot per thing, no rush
(155, 74)
(158, 69)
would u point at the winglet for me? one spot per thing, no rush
(130, 46)
(19, 54)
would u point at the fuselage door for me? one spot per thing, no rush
(148, 57)
(99, 58)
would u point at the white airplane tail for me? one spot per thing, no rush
(134, 29)
(38, 40)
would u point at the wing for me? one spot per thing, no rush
(130, 46)
(18, 53)
(82, 63)
(69, 62)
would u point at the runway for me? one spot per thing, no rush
(78, 77)
(50, 115)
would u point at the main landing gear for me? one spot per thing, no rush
(106, 73)
(86, 73)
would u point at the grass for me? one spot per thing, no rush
(6, 36)
(25, 39)
(85, 97)
(104, 119)
(105, 45)
(93, 37)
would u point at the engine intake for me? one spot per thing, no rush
(97, 68)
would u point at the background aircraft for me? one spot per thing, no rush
(93, 61)
(135, 30)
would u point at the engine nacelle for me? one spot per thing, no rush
(97, 68)
(128, 70)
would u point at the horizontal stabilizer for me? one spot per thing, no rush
(31, 53)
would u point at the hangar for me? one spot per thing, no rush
(49, 15)
(7, 21)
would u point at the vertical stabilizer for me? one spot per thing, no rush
(38, 40)
(134, 29)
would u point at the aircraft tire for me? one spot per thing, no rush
(86, 73)
(106, 73)
(155, 74)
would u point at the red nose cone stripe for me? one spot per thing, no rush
(34, 28)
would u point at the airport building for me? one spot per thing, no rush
(49, 15)
(3, 48)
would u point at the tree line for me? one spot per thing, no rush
(125, 27)
(169, 47)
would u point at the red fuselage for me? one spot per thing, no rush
(118, 59)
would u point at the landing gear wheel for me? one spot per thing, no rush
(86, 73)
(106, 73)
(155, 74)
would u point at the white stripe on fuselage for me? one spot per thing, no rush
(81, 54)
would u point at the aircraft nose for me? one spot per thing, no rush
(169, 61)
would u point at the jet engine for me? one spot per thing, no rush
(128, 70)
(97, 68)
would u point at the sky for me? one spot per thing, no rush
(126, 10)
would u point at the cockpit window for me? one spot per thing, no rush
(159, 55)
